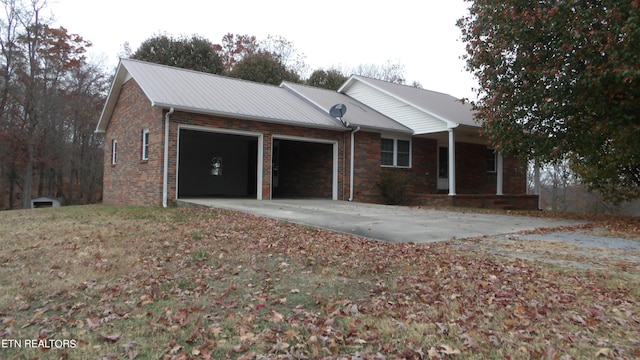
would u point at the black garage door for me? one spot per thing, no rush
(235, 174)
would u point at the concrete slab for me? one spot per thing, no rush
(385, 222)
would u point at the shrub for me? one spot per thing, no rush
(393, 185)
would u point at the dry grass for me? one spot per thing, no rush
(126, 282)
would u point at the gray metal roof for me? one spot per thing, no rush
(193, 91)
(358, 114)
(441, 105)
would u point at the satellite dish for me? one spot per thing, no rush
(338, 111)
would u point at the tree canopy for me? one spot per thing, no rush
(195, 53)
(263, 67)
(561, 80)
(330, 79)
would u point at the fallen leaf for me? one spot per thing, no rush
(110, 338)
(448, 350)
(606, 352)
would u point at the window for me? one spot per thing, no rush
(491, 160)
(395, 152)
(443, 162)
(114, 151)
(386, 153)
(145, 144)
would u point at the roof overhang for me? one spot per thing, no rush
(354, 78)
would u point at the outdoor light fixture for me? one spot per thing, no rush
(216, 166)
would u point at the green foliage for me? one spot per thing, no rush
(327, 79)
(393, 185)
(195, 53)
(263, 67)
(561, 80)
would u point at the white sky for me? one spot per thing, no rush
(421, 35)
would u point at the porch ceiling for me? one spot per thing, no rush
(462, 133)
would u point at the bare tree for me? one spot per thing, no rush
(49, 102)
(391, 72)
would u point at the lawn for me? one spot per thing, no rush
(102, 282)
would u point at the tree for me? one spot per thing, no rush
(234, 48)
(391, 72)
(45, 132)
(263, 67)
(561, 80)
(284, 50)
(330, 79)
(194, 53)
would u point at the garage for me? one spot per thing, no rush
(215, 164)
(303, 169)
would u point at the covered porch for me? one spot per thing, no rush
(471, 174)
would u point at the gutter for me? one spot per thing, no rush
(165, 180)
(352, 162)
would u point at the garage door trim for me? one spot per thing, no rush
(257, 135)
(334, 183)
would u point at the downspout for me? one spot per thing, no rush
(352, 162)
(165, 181)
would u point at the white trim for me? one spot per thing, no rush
(259, 136)
(395, 139)
(334, 186)
(145, 144)
(114, 151)
(452, 163)
(450, 124)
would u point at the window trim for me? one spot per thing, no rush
(145, 145)
(395, 151)
(114, 151)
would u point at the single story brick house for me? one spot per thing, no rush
(172, 134)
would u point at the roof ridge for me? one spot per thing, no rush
(405, 85)
(175, 68)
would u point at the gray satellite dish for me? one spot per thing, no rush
(338, 111)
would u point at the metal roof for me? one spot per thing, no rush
(194, 91)
(438, 105)
(358, 114)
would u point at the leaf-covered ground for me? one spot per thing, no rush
(100, 282)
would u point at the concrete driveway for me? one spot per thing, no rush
(384, 222)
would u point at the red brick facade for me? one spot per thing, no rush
(140, 182)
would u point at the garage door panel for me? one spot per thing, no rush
(237, 173)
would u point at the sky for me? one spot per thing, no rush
(420, 35)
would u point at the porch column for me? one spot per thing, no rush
(499, 173)
(452, 163)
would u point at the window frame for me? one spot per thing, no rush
(145, 145)
(114, 151)
(396, 152)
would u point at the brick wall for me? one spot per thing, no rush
(132, 180)
(269, 130)
(305, 170)
(472, 176)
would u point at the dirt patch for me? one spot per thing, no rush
(594, 248)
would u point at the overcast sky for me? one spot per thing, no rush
(421, 35)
